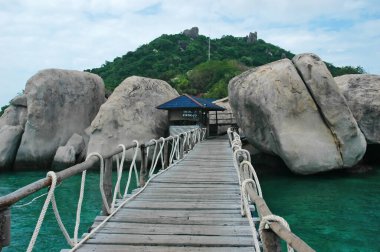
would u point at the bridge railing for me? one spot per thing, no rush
(166, 150)
(271, 228)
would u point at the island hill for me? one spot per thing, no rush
(291, 107)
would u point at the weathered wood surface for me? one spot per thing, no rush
(195, 206)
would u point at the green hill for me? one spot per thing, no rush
(183, 62)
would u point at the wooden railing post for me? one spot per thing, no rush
(271, 242)
(144, 165)
(107, 183)
(181, 147)
(166, 155)
(5, 227)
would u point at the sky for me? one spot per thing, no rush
(83, 34)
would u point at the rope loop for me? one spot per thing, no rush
(41, 218)
(120, 165)
(254, 175)
(132, 168)
(104, 198)
(153, 163)
(246, 211)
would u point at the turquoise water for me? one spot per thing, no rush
(51, 238)
(331, 212)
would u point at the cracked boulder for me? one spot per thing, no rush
(279, 115)
(333, 107)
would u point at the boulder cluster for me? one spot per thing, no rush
(296, 110)
(61, 111)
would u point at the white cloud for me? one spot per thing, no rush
(79, 34)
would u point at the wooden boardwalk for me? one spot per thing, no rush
(194, 206)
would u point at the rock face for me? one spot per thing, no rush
(130, 114)
(192, 33)
(252, 37)
(12, 124)
(10, 137)
(279, 115)
(14, 115)
(59, 104)
(333, 107)
(362, 92)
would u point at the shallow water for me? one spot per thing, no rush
(331, 212)
(51, 238)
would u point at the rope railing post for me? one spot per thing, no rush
(107, 184)
(166, 155)
(181, 146)
(144, 165)
(5, 227)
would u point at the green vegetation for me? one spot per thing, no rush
(2, 109)
(183, 62)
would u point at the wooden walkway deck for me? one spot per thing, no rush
(195, 206)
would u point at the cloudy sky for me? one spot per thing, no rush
(82, 34)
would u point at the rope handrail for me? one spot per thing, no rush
(251, 191)
(109, 206)
(23, 192)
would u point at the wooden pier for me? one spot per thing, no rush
(193, 206)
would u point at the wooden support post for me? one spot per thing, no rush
(166, 155)
(5, 227)
(107, 183)
(144, 165)
(271, 242)
(186, 148)
(181, 147)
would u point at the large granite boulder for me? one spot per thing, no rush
(278, 115)
(362, 92)
(10, 137)
(296, 111)
(130, 114)
(59, 104)
(333, 107)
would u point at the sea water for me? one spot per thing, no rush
(331, 212)
(24, 217)
(334, 211)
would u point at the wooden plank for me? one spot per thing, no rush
(186, 205)
(170, 240)
(170, 229)
(219, 221)
(124, 248)
(148, 212)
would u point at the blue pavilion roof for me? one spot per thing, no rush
(190, 102)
